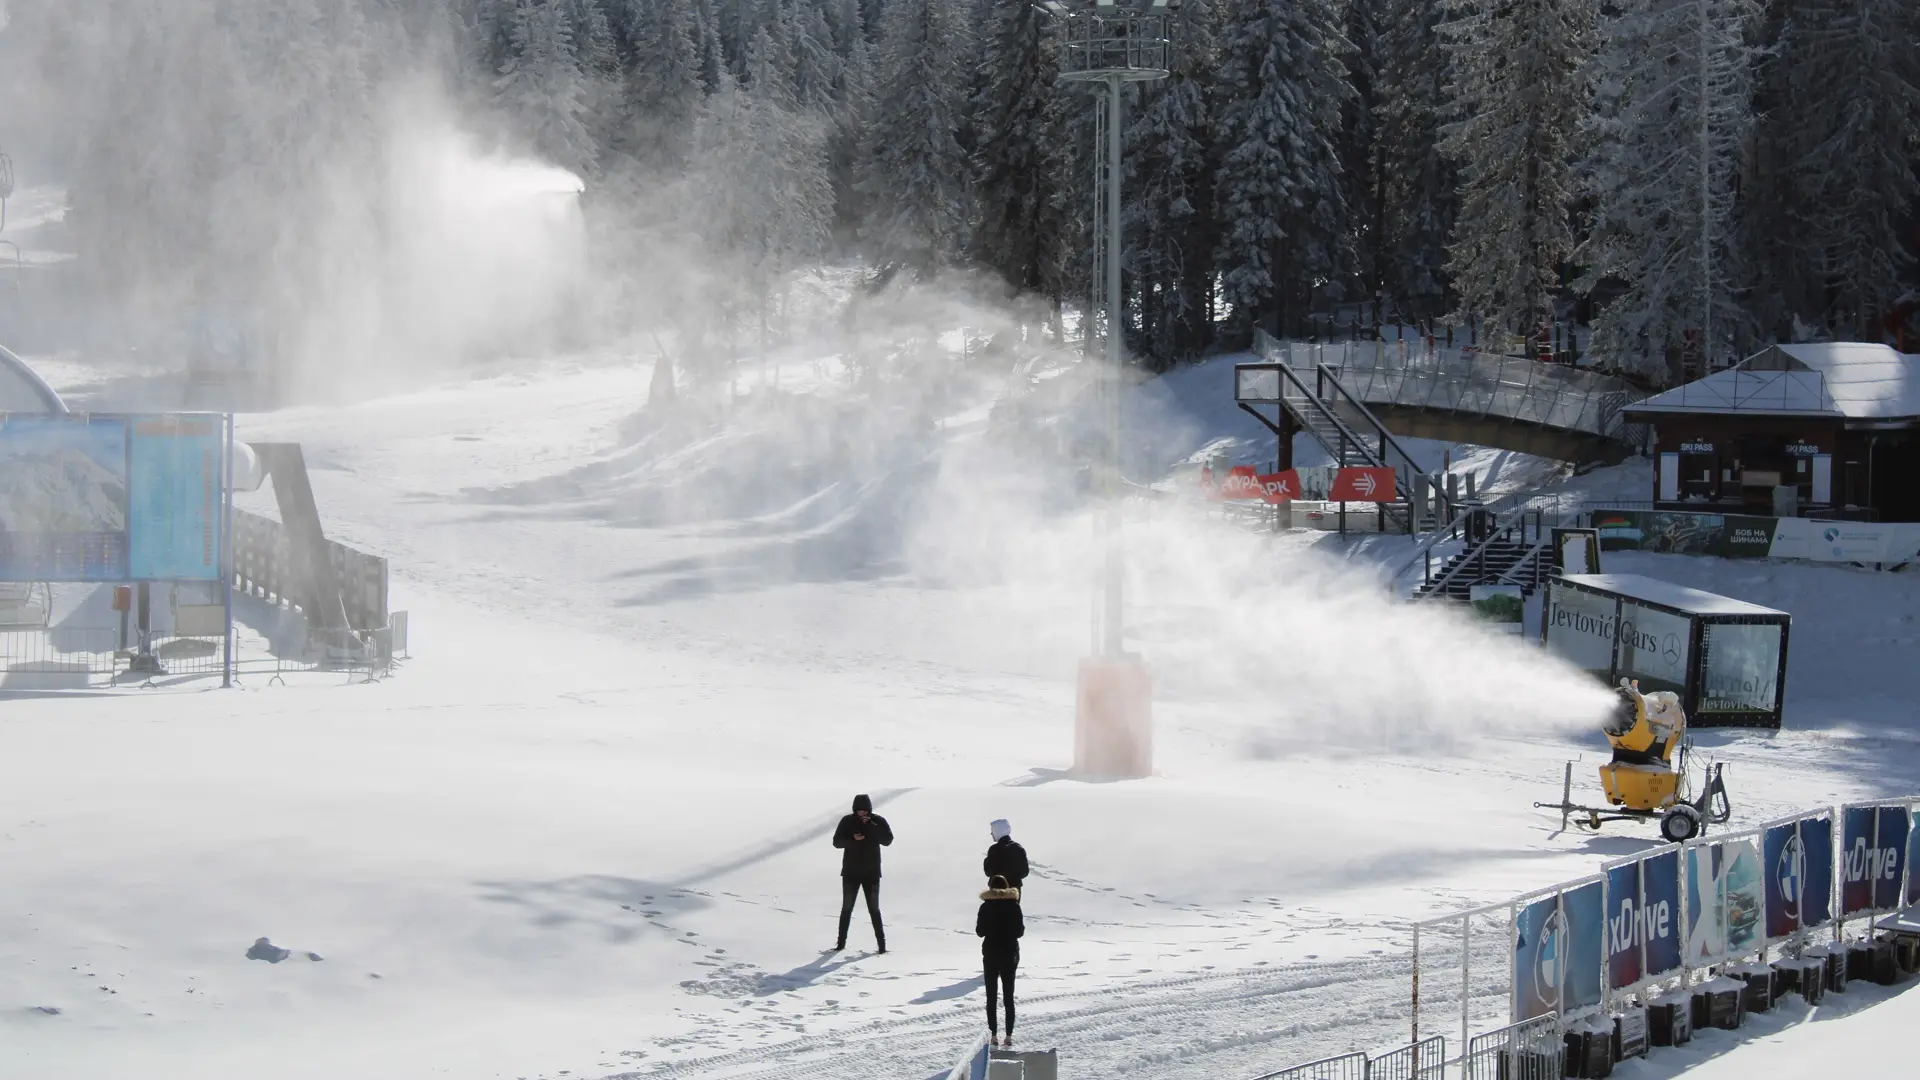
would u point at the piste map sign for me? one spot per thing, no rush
(111, 498)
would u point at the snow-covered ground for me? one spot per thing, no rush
(585, 831)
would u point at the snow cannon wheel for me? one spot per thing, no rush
(1680, 824)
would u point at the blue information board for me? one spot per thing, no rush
(175, 474)
(112, 498)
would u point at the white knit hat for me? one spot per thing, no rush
(1001, 828)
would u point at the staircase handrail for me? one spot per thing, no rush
(1495, 533)
(1267, 348)
(1438, 492)
(1532, 553)
(1502, 507)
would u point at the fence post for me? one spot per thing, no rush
(226, 563)
(1416, 982)
(1466, 982)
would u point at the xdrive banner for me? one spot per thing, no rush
(1798, 860)
(1643, 919)
(1873, 861)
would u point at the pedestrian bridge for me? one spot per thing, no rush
(1463, 395)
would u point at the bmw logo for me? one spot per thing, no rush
(1790, 872)
(1546, 962)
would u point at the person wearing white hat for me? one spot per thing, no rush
(1006, 858)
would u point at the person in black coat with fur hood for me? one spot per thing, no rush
(1000, 928)
(860, 836)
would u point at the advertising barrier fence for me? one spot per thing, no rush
(1742, 536)
(1652, 920)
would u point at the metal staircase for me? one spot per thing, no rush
(1348, 431)
(1505, 552)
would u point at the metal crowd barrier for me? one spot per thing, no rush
(1529, 1050)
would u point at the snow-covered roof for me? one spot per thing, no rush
(24, 391)
(1747, 393)
(1667, 594)
(1868, 382)
(1851, 379)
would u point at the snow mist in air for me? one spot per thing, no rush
(1309, 649)
(483, 251)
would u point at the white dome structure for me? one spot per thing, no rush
(23, 391)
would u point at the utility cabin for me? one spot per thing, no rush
(1829, 430)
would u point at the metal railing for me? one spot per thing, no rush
(1476, 384)
(59, 651)
(1424, 1060)
(1346, 413)
(1529, 1050)
(1341, 1067)
(1507, 528)
(264, 567)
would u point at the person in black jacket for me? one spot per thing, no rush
(1000, 928)
(860, 836)
(1006, 858)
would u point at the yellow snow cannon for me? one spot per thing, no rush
(1648, 777)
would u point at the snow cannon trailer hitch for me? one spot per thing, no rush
(1644, 781)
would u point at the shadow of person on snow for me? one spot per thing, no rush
(948, 993)
(803, 976)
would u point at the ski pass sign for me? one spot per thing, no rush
(1363, 484)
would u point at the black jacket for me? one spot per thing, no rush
(1006, 859)
(999, 925)
(861, 858)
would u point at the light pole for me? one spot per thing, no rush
(1107, 45)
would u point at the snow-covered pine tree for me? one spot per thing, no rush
(1516, 84)
(1282, 88)
(541, 84)
(1417, 181)
(1360, 142)
(1169, 194)
(1022, 160)
(786, 171)
(1673, 110)
(915, 169)
(816, 60)
(853, 104)
(662, 85)
(1852, 71)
